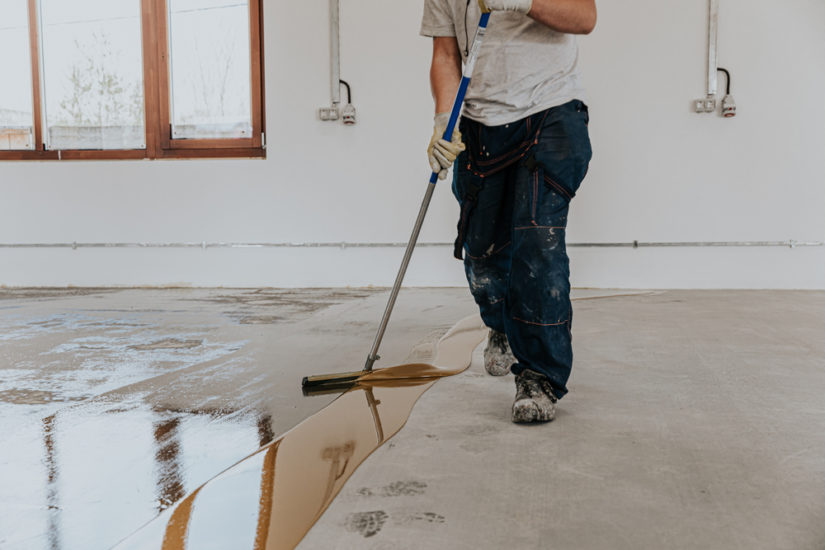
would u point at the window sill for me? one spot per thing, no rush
(239, 152)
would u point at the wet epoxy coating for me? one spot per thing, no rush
(115, 404)
(270, 500)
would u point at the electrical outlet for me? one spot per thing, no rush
(728, 107)
(348, 114)
(705, 105)
(328, 113)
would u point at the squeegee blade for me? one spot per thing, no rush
(331, 379)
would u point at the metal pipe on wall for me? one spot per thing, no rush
(335, 50)
(204, 245)
(713, 48)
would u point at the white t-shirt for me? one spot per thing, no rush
(524, 67)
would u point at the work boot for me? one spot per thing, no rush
(497, 355)
(535, 400)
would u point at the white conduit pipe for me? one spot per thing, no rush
(713, 48)
(335, 50)
(204, 245)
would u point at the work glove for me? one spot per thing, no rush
(522, 6)
(442, 153)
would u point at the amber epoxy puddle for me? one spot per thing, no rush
(272, 498)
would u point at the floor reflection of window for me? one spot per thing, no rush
(52, 503)
(167, 458)
(108, 473)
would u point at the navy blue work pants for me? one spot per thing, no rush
(514, 184)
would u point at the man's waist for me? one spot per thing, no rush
(492, 118)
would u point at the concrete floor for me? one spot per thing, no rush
(695, 419)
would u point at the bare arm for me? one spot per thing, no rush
(445, 72)
(567, 16)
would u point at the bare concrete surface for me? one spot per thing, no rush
(696, 420)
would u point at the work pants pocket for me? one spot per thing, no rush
(563, 150)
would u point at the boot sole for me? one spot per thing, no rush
(528, 411)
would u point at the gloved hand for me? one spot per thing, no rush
(522, 6)
(442, 153)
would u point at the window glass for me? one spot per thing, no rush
(210, 71)
(93, 74)
(16, 119)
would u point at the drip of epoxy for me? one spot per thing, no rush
(271, 499)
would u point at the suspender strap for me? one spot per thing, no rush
(467, 205)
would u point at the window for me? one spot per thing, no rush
(92, 74)
(16, 110)
(210, 91)
(131, 79)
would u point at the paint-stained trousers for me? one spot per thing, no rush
(514, 184)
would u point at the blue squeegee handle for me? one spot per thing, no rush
(469, 66)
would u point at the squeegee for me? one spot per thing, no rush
(341, 380)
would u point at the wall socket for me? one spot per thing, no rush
(706, 105)
(328, 113)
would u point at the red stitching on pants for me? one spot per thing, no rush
(523, 227)
(558, 187)
(494, 252)
(541, 324)
(527, 143)
(515, 151)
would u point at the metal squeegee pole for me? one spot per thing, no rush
(469, 66)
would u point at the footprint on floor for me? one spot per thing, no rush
(366, 524)
(404, 489)
(396, 489)
(428, 517)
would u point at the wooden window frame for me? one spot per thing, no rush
(159, 142)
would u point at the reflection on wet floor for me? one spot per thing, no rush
(116, 405)
(56, 472)
(81, 472)
(271, 499)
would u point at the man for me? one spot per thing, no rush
(527, 151)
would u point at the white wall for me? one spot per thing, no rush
(660, 172)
